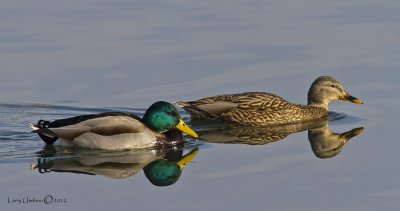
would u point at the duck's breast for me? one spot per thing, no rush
(108, 132)
(141, 140)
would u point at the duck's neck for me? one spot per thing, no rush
(317, 99)
(169, 138)
(311, 112)
(321, 105)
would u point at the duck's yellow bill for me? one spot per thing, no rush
(187, 158)
(182, 126)
(352, 99)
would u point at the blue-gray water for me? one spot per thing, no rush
(65, 58)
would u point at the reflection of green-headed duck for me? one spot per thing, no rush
(116, 130)
(166, 163)
(165, 172)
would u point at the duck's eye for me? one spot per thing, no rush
(171, 113)
(333, 86)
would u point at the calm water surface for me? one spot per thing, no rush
(77, 57)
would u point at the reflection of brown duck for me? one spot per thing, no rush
(324, 142)
(327, 144)
(255, 135)
(161, 166)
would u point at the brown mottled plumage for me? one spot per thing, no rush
(261, 108)
(324, 142)
(252, 135)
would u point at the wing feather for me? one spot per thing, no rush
(106, 126)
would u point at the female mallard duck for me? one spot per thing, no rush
(261, 108)
(118, 130)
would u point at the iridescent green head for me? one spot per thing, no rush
(164, 172)
(163, 116)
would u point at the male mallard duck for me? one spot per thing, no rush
(118, 130)
(261, 108)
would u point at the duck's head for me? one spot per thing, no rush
(163, 116)
(326, 89)
(165, 172)
(326, 144)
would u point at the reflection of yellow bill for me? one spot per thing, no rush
(187, 158)
(351, 99)
(182, 126)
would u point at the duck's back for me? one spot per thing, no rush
(81, 118)
(255, 108)
(111, 130)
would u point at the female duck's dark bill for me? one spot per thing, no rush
(350, 98)
(350, 134)
(182, 126)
